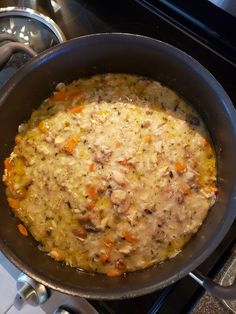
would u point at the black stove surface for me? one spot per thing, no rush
(82, 17)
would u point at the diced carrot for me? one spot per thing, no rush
(108, 243)
(43, 127)
(77, 109)
(76, 95)
(60, 96)
(22, 230)
(13, 203)
(118, 144)
(8, 164)
(104, 257)
(114, 272)
(91, 168)
(185, 188)
(91, 206)
(129, 237)
(92, 192)
(18, 139)
(71, 143)
(180, 167)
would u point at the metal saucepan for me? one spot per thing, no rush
(133, 54)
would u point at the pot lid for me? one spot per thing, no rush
(28, 26)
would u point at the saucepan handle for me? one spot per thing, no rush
(221, 292)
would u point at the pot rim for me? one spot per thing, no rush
(211, 81)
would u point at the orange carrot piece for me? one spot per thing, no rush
(13, 203)
(76, 94)
(43, 127)
(91, 168)
(108, 243)
(180, 167)
(118, 144)
(92, 192)
(77, 109)
(91, 206)
(22, 230)
(129, 237)
(185, 188)
(114, 272)
(60, 96)
(104, 257)
(70, 144)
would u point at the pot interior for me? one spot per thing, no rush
(124, 54)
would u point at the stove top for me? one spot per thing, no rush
(82, 17)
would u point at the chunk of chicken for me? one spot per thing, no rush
(102, 156)
(118, 196)
(118, 177)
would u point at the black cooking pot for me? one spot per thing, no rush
(132, 54)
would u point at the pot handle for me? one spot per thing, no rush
(8, 49)
(221, 292)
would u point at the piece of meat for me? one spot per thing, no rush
(180, 198)
(118, 196)
(121, 201)
(126, 248)
(79, 234)
(102, 156)
(118, 177)
(91, 222)
(121, 265)
(146, 124)
(124, 206)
